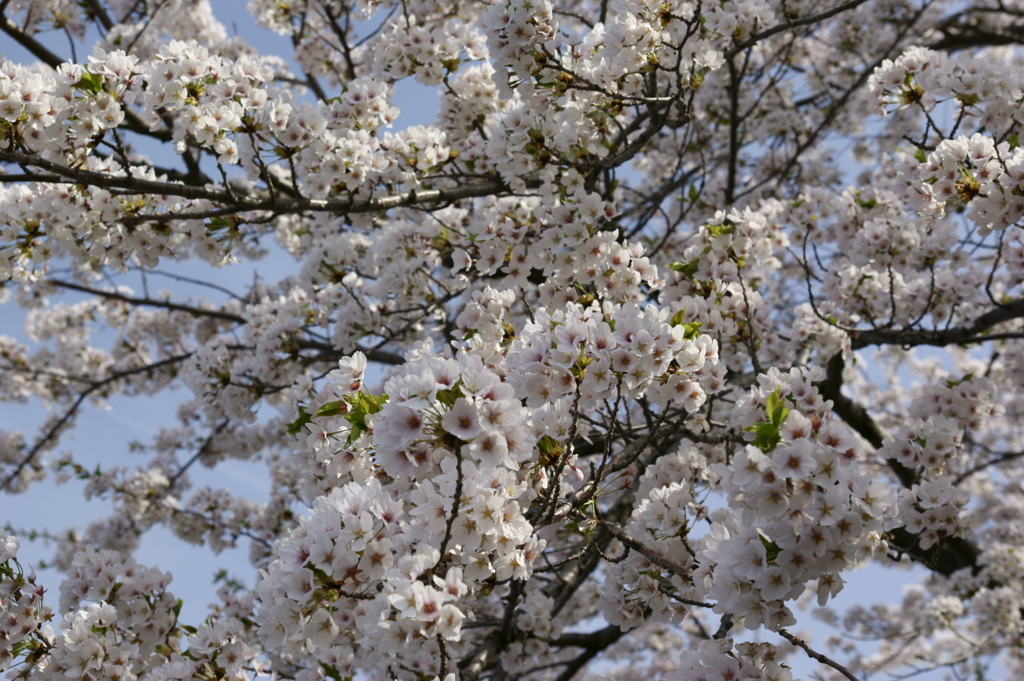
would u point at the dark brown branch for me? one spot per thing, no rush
(132, 220)
(633, 148)
(724, 626)
(950, 553)
(796, 23)
(200, 453)
(855, 416)
(148, 302)
(242, 203)
(331, 354)
(96, 9)
(997, 461)
(38, 50)
(132, 120)
(486, 655)
(966, 30)
(356, 597)
(648, 553)
(602, 638)
(70, 413)
(814, 655)
(592, 644)
(456, 500)
(972, 333)
(734, 128)
(328, 352)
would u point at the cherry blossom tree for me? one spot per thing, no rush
(613, 370)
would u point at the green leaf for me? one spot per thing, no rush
(770, 547)
(867, 204)
(766, 436)
(775, 408)
(448, 397)
(354, 434)
(90, 81)
(219, 222)
(687, 269)
(362, 404)
(21, 646)
(332, 408)
(721, 230)
(318, 573)
(690, 330)
(953, 384)
(296, 426)
(551, 448)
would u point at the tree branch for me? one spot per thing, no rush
(96, 9)
(954, 336)
(814, 655)
(950, 553)
(132, 120)
(54, 430)
(632, 543)
(597, 641)
(242, 203)
(456, 501)
(148, 302)
(796, 23)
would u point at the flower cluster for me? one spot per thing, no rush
(636, 589)
(932, 439)
(966, 170)
(921, 78)
(120, 622)
(932, 443)
(575, 351)
(976, 173)
(935, 509)
(377, 561)
(430, 52)
(948, 623)
(22, 612)
(715, 283)
(459, 399)
(806, 509)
